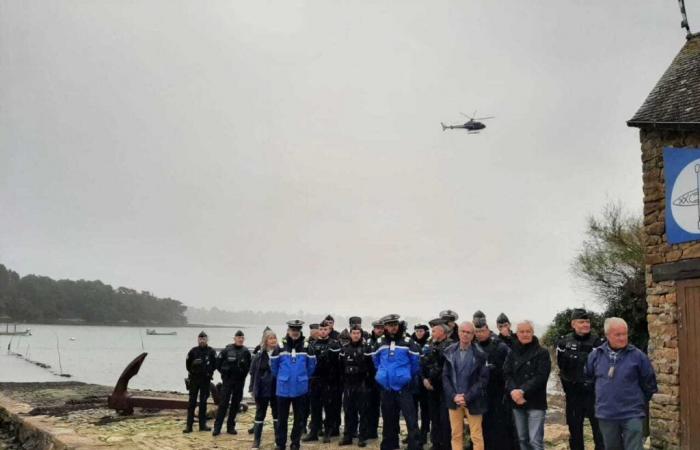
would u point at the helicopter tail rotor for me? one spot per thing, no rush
(444, 127)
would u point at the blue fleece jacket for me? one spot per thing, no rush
(624, 382)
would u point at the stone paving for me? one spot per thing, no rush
(77, 415)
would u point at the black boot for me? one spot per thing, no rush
(251, 430)
(188, 429)
(347, 440)
(312, 436)
(327, 437)
(257, 434)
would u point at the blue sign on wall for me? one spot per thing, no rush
(682, 172)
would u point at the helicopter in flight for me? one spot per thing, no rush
(473, 126)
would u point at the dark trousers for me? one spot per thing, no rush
(373, 409)
(355, 409)
(198, 389)
(337, 409)
(393, 404)
(420, 399)
(498, 427)
(440, 432)
(261, 405)
(231, 396)
(579, 406)
(298, 405)
(322, 398)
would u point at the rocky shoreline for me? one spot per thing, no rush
(73, 415)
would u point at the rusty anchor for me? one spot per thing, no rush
(124, 403)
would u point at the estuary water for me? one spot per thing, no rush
(99, 354)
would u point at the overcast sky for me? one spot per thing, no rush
(286, 155)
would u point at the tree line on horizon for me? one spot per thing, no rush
(34, 298)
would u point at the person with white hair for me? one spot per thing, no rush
(624, 383)
(526, 371)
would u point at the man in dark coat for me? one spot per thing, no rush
(572, 355)
(324, 385)
(526, 371)
(233, 363)
(200, 364)
(356, 367)
(450, 317)
(464, 380)
(504, 332)
(420, 337)
(432, 361)
(499, 432)
(374, 394)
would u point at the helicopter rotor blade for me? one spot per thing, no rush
(465, 115)
(484, 118)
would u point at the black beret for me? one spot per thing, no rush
(354, 319)
(580, 313)
(325, 323)
(378, 323)
(480, 322)
(239, 333)
(502, 318)
(438, 321)
(202, 334)
(295, 324)
(314, 326)
(449, 315)
(420, 326)
(329, 317)
(478, 314)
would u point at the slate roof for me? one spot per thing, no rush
(675, 100)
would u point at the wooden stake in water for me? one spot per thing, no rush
(58, 350)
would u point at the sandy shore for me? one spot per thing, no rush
(75, 415)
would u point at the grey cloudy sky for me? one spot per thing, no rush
(285, 155)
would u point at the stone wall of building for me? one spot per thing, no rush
(661, 297)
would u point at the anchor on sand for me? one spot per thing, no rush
(124, 403)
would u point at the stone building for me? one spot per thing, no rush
(669, 123)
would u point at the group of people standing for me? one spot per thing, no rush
(437, 378)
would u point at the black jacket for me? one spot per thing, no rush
(478, 380)
(327, 352)
(496, 352)
(527, 367)
(262, 380)
(356, 364)
(233, 363)
(432, 361)
(572, 355)
(509, 340)
(200, 363)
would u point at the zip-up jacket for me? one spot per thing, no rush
(527, 368)
(397, 361)
(624, 382)
(478, 378)
(262, 380)
(293, 366)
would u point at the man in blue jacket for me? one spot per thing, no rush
(292, 367)
(624, 383)
(397, 361)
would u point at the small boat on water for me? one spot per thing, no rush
(8, 332)
(160, 333)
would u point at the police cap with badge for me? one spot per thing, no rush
(449, 315)
(295, 324)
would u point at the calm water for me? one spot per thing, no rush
(99, 354)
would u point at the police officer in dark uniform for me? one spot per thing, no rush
(373, 394)
(313, 333)
(333, 334)
(356, 367)
(345, 334)
(233, 363)
(432, 360)
(200, 364)
(498, 428)
(505, 334)
(572, 355)
(324, 385)
(450, 317)
(420, 337)
(337, 407)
